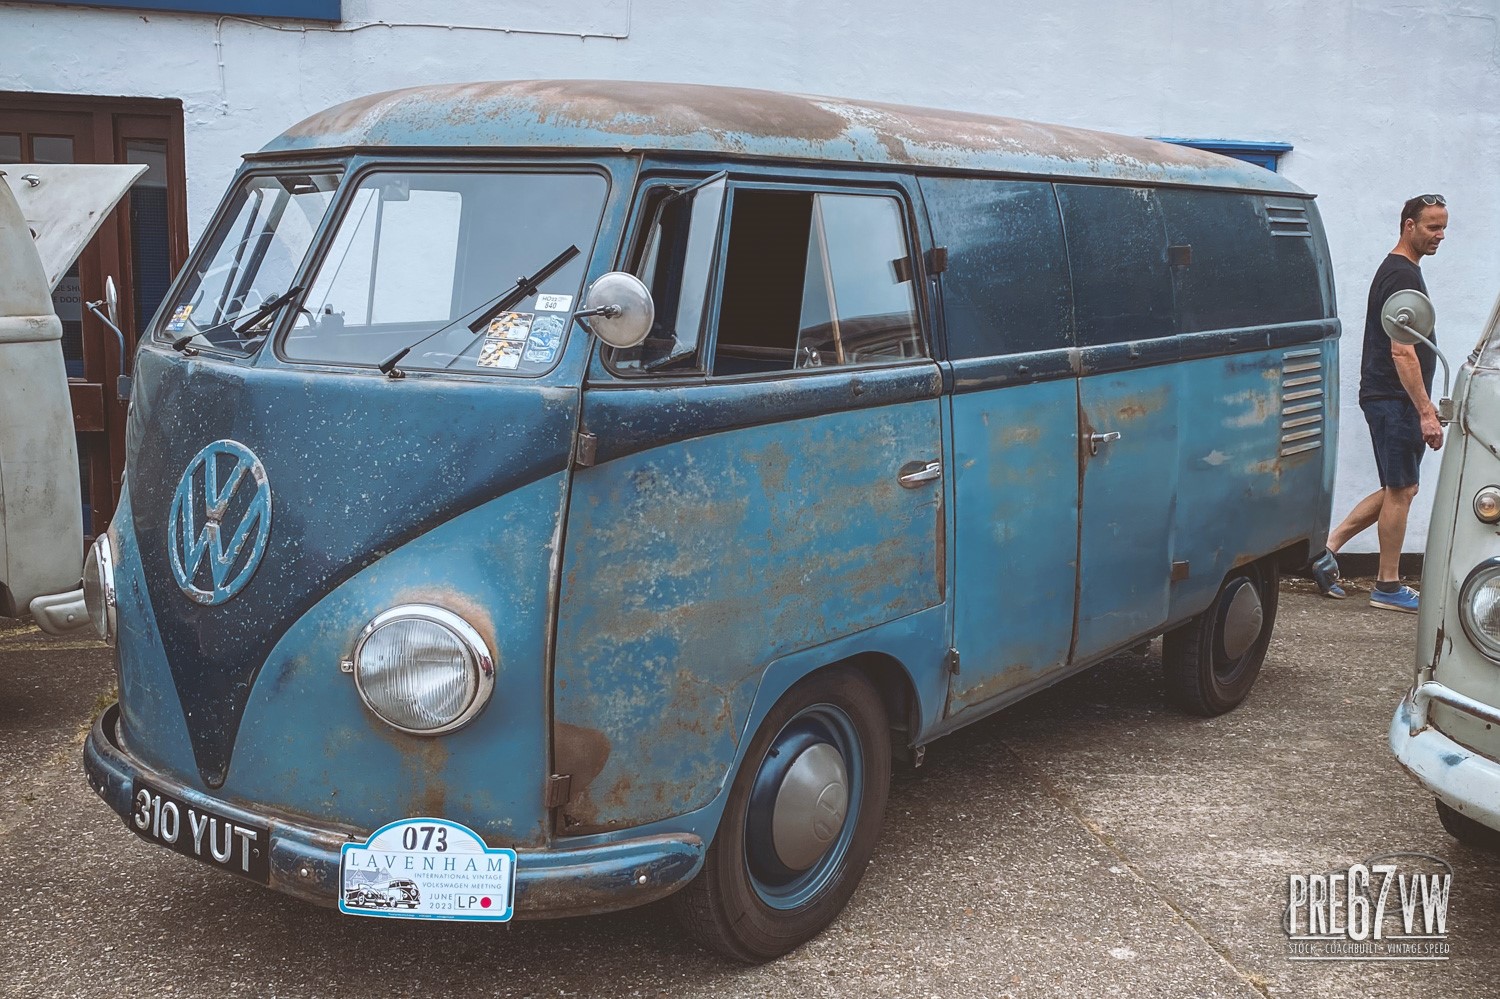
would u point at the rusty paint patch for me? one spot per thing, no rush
(579, 752)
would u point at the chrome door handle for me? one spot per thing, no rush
(915, 473)
(1096, 439)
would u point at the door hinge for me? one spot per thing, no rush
(586, 450)
(951, 661)
(559, 790)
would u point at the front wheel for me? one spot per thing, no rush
(1466, 830)
(1211, 662)
(803, 815)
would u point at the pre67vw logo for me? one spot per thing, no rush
(1391, 908)
(427, 868)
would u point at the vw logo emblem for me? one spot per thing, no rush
(221, 514)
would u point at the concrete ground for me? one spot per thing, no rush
(1088, 842)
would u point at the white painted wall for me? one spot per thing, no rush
(1381, 100)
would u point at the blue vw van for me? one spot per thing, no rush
(624, 475)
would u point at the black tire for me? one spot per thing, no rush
(746, 903)
(1469, 832)
(1202, 676)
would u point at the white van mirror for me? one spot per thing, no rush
(1408, 317)
(619, 309)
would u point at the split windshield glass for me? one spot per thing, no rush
(248, 261)
(413, 252)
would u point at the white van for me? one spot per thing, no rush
(1446, 730)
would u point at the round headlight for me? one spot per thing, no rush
(1480, 607)
(1487, 504)
(99, 587)
(423, 669)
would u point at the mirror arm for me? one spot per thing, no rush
(122, 387)
(1399, 321)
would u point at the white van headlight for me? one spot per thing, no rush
(1480, 607)
(423, 669)
(99, 587)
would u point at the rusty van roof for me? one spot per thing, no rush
(732, 122)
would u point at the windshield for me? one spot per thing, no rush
(249, 261)
(1489, 344)
(416, 251)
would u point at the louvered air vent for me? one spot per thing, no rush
(1288, 218)
(1301, 401)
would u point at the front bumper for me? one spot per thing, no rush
(1462, 778)
(305, 858)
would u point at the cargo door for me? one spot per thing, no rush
(1008, 322)
(1127, 412)
(763, 475)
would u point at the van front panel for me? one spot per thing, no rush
(382, 492)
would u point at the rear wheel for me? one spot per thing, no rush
(1469, 832)
(1211, 662)
(803, 815)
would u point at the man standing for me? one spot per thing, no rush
(1395, 382)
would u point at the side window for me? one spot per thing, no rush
(1117, 245)
(676, 263)
(813, 280)
(1005, 290)
(809, 280)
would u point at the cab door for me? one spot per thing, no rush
(764, 475)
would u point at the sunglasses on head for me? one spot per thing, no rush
(1434, 199)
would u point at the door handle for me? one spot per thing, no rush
(1096, 439)
(913, 474)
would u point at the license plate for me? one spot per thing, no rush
(201, 833)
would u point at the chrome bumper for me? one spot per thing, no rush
(305, 858)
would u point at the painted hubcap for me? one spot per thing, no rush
(1243, 619)
(810, 806)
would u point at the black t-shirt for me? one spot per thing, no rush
(1377, 370)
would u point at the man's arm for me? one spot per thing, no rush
(1409, 370)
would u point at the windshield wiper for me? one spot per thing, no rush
(523, 289)
(267, 309)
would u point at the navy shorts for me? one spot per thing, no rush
(1396, 432)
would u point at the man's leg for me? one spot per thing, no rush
(1365, 513)
(1393, 531)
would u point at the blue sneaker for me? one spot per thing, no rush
(1325, 572)
(1404, 600)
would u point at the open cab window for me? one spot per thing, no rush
(809, 280)
(248, 261)
(416, 256)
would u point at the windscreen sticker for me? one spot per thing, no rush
(509, 326)
(500, 354)
(179, 319)
(554, 303)
(427, 868)
(546, 337)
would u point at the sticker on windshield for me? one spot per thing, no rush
(179, 319)
(509, 326)
(546, 337)
(554, 303)
(427, 869)
(500, 354)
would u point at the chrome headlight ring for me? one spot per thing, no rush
(1479, 607)
(1487, 505)
(99, 588)
(422, 669)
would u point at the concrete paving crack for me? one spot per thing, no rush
(1066, 802)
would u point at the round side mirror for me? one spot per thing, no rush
(618, 309)
(1408, 317)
